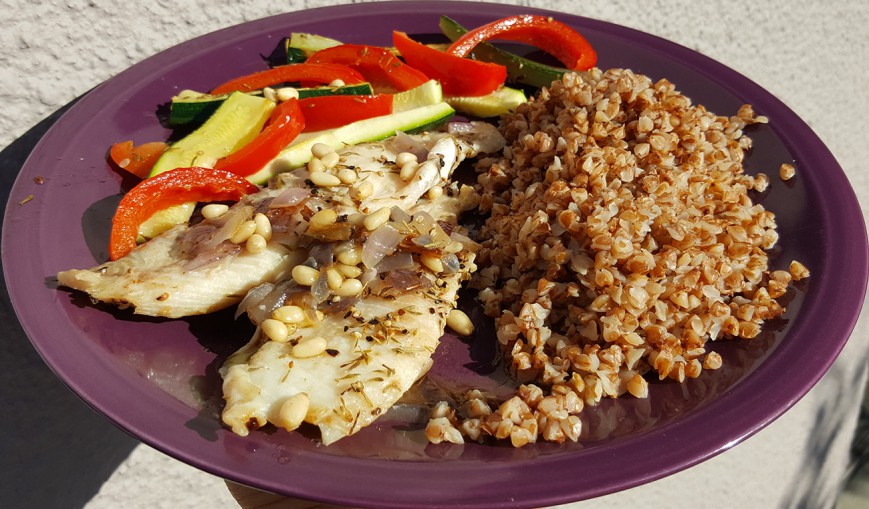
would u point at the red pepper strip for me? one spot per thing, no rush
(554, 37)
(330, 111)
(285, 123)
(137, 160)
(379, 66)
(458, 76)
(308, 72)
(173, 187)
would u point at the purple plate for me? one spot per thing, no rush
(158, 379)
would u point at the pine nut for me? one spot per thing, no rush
(263, 225)
(331, 159)
(435, 192)
(304, 275)
(255, 244)
(349, 288)
(323, 179)
(289, 314)
(270, 94)
(319, 150)
(334, 278)
(404, 158)
(363, 191)
(347, 176)
(323, 218)
(377, 219)
(244, 231)
(460, 323)
(351, 256)
(213, 210)
(286, 93)
(337, 83)
(293, 411)
(275, 330)
(408, 171)
(315, 165)
(348, 271)
(433, 263)
(309, 347)
(356, 219)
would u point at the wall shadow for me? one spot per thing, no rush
(55, 451)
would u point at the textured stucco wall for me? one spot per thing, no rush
(810, 54)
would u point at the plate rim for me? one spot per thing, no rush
(820, 152)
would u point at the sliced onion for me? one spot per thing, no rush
(403, 142)
(320, 288)
(423, 241)
(423, 221)
(381, 243)
(404, 280)
(367, 276)
(290, 197)
(397, 261)
(252, 299)
(322, 255)
(340, 306)
(398, 215)
(451, 263)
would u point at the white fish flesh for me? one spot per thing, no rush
(375, 342)
(375, 348)
(374, 345)
(197, 269)
(186, 270)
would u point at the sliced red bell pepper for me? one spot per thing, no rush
(284, 124)
(379, 66)
(330, 111)
(173, 187)
(553, 37)
(138, 159)
(324, 73)
(458, 76)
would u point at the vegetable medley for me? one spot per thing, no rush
(244, 125)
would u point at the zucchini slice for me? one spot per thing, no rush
(419, 119)
(191, 108)
(237, 121)
(299, 46)
(501, 101)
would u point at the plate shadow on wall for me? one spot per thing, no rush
(55, 451)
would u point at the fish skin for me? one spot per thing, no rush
(167, 277)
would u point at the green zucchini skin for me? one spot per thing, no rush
(238, 121)
(416, 120)
(193, 111)
(297, 47)
(502, 101)
(519, 70)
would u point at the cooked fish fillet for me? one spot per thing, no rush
(372, 346)
(374, 351)
(186, 270)
(198, 269)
